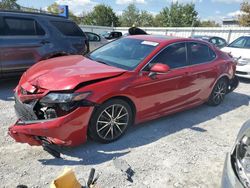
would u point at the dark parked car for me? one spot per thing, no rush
(217, 41)
(26, 38)
(112, 35)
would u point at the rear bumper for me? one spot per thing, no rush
(229, 178)
(68, 130)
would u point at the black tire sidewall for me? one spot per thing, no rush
(92, 132)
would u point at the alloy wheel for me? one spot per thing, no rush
(219, 92)
(112, 122)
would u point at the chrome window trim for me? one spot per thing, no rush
(189, 65)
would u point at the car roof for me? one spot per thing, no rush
(164, 39)
(32, 14)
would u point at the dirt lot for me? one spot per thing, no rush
(183, 150)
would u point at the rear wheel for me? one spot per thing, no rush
(110, 121)
(219, 91)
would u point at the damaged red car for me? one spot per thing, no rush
(131, 80)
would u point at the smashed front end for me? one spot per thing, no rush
(59, 118)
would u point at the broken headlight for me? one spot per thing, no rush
(242, 160)
(57, 104)
(64, 97)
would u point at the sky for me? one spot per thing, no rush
(207, 9)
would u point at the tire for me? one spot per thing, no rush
(219, 91)
(105, 127)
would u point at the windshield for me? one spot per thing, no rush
(125, 53)
(242, 42)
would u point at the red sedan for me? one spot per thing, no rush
(131, 80)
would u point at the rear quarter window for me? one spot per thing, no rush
(68, 28)
(200, 53)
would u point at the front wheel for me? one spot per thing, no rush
(219, 91)
(110, 121)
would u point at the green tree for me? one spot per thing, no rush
(244, 19)
(9, 5)
(177, 15)
(208, 23)
(130, 16)
(146, 19)
(102, 15)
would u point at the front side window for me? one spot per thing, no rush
(174, 56)
(242, 42)
(21, 27)
(68, 28)
(199, 53)
(125, 53)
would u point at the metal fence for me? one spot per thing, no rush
(228, 33)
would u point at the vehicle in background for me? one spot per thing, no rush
(236, 171)
(26, 38)
(112, 35)
(217, 41)
(130, 80)
(95, 40)
(240, 50)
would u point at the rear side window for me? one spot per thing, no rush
(68, 28)
(174, 56)
(21, 27)
(199, 53)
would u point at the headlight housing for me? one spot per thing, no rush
(244, 61)
(56, 98)
(58, 104)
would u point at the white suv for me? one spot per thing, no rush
(240, 49)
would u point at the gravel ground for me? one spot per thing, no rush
(182, 150)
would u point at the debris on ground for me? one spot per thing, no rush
(124, 167)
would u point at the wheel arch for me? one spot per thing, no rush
(223, 76)
(121, 97)
(126, 99)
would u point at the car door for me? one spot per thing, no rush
(202, 69)
(21, 41)
(166, 92)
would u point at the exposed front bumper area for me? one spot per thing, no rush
(229, 178)
(68, 130)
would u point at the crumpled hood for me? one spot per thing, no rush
(65, 73)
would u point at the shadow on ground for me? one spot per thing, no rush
(140, 135)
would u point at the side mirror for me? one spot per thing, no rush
(158, 68)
